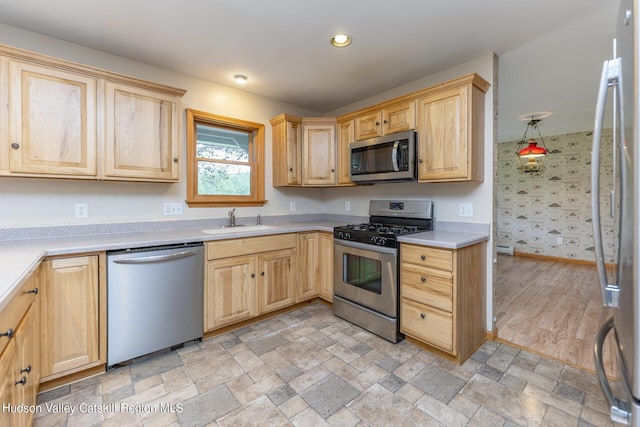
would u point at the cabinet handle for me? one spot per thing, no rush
(175, 160)
(33, 291)
(419, 160)
(422, 315)
(423, 257)
(377, 123)
(8, 334)
(253, 275)
(262, 274)
(15, 145)
(385, 121)
(333, 170)
(423, 279)
(27, 370)
(290, 169)
(22, 381)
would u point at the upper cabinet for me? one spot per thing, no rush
(394, 118)
(346, 129)
(52, 121)
(319, 151)
(141, 138)
(451, 132)
(65, 120)
(287, 150)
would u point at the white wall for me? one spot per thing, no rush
(27, 201)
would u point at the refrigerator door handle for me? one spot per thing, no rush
(619, 410)
(610, 77)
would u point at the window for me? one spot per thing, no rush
(225, 161)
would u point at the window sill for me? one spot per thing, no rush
(206, 204)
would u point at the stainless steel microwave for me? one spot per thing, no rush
(384, 159)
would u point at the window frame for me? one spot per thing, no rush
(256, 161)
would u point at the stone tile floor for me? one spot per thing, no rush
(310, 368)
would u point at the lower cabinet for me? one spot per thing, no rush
(315, 251)
(442, 302)
(71, 316)
(247, 277)
(19, 361)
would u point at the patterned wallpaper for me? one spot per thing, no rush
(534, 210)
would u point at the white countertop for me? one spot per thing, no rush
(19, 258)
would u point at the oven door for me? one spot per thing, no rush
(367, 275)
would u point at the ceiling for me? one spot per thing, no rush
(283, 45)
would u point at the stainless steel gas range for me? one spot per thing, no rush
(366, 276)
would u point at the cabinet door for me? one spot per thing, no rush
(52, 121)
(319, 154)
(142, 139)
(399, 117)
(230, 291)
(368, 125)
(27, 362)
(7, 387)
(277, 275)
(346, 135)
(287, 150)
(294, 153)
(309, 265)
(444, 150)
(70, 315)
(326, 266)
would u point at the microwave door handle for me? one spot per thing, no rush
(394, 156)
(610, 76)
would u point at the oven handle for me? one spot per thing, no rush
(366, 247)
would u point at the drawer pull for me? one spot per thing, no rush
(423, 279)
(423, 257)
(22, 381)
(15, 145)
(262, 274)
(253, 275)
(33, 291)
(27, 370)
(8, 334)
(422, 315)
(175, 160)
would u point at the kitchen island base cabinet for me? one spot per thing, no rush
(72, 320)
(247, 277)
(442, 298)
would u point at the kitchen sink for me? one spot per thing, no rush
(237, 229)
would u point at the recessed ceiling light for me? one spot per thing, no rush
(241, 79)
(341, 40)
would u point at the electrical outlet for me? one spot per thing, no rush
(82, 210)
(559, 240)
(292, 206)
(173, 208)
(347, 206)
(466, 209)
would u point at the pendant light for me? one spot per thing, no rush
(530, 154)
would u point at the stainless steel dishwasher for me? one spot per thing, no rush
(154, 299)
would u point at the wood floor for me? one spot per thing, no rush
(552, 308)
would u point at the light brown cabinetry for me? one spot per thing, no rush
(71, 316)
(19, 353)
(393, 118)
(443, 298)
(248, 276)
(65, 120)
(319, 152)
(346, 135)
(315, 252)
(52, 121)
(287, 150)
(451, 132)
(142, 139)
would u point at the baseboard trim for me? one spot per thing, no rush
(560, 259)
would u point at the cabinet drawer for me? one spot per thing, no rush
(432, 326)
(249, 245)
(427, 286)
(427, 257)
(17, 307)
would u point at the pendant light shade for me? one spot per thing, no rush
(530, 154)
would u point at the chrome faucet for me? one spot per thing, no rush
(232, 217)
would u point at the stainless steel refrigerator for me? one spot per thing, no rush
(620, 288)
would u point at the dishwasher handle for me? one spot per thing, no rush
(156, 258)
